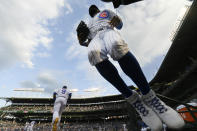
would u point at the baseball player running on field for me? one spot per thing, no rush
(31, 126)
(101, 39)
(60, 97)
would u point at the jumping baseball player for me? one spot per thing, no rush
(101, 39)
(61, 96)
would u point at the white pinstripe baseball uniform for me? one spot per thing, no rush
(105, 40)
(62, 96)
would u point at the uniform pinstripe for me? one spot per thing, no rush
(105, 39)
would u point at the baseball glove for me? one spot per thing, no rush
(82, 33)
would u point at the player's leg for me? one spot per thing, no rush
(63, 105)
(119, 51)
(97, 55)
(61, 111)
(55, 118)
(96, 50)
(131, 67)
(56, 110)
(110, 73)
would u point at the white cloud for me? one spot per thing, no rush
(23, 29)
(74, 90)
(29, 84)
(53, 79)
(48, 81)
(90, 72)
(3, 86)
(46, 42)
(147, 27)
(43, 54)
(93, 89)
(75, 51)
(69, 8)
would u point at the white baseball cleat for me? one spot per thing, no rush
(147, 114)
(168, 115)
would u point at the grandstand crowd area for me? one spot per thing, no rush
(111, 113)
(69, 108)
(108, 114)
(77, 126)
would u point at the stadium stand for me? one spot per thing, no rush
(109, 113)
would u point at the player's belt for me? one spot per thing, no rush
(103, 28)
(62, 96)
(100, 29)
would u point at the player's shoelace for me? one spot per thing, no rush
(157, 105)
(139, 106)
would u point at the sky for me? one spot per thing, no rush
(39, 47)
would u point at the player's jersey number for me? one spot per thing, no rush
(63, 91)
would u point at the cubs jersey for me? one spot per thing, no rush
(62, 93)
(101, 21)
